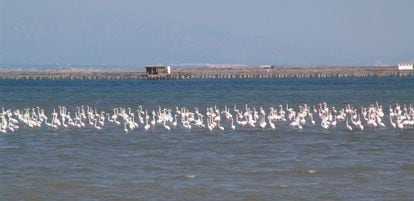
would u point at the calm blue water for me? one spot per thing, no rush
(286, 164)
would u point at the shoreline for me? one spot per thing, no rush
(212, 73)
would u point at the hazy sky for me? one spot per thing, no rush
(141, 32)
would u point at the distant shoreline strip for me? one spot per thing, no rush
(213, 73)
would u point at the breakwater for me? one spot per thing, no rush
(213, 73)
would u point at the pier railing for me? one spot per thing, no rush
(214, 73)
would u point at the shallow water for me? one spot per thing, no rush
(286, 164)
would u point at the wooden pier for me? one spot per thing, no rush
(213, 73)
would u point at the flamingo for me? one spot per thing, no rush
(348, 127)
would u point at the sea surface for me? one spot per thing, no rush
(245, 164)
